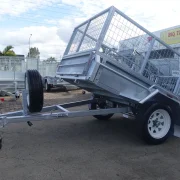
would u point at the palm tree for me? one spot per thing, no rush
(7, 51)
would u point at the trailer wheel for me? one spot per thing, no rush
(34, 87)
(47, 87)
(157, 124)
(102, 105)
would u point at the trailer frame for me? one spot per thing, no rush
(61, 112)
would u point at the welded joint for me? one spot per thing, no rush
(62, 109)
(152, 88)
(62, 115)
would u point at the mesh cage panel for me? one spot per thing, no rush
(96, 26)
(88, 43)
(75, 42)
(169, 83)
(91, 36)
(93, 32)
(131, 46)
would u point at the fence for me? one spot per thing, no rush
(45, 68)
(13, 68)
(20, 64)
(12, 63)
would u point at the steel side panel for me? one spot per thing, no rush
(119, 85)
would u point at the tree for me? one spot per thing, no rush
(8, 51)
(51, 59)
(34, 52)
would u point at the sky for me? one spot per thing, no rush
(51, 22)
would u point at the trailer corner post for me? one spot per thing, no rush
(105, 28)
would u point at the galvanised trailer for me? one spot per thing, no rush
(111, 56)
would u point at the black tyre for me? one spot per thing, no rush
(102, 105)
(157, 124)
(47, 86)
(34, 87)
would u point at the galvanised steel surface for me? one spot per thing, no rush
(56, 112)
(112, 55)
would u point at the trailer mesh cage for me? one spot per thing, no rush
(115, 35)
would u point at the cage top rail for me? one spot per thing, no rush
(94, 17)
